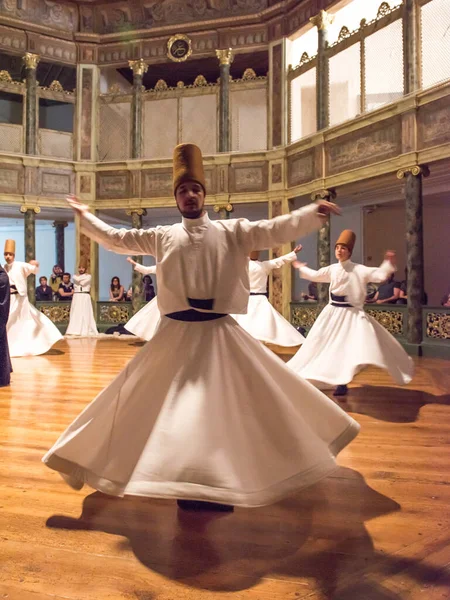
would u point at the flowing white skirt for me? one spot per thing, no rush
(204, 412)
(30, 332)
(82, 321)
(342, 342)
(145, 321)
(266, 324)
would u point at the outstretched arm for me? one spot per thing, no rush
(276, 263)
(381, 273)
(122, 241)
(141, 269)
(323, 275)
(258, 235)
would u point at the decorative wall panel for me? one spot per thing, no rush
(160, 127)
(300, 168)
(248, 119)
(199, 121)
(113, 185)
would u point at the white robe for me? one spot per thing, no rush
(344, 340)
(30, 332)
(145, 321)
(204, 411)
(82, 321)
(262, 321)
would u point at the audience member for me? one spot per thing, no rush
(65, 289)
(44, 292)
(311, 296)
(446, 299)
(149, 290)
(116, 291)
(55, 280)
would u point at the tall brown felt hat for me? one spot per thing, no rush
(188, 165)
(10, 246)
(347, 238)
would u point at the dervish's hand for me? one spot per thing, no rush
(77, 205)
(391, 256)
(34, 262)
(298, 265)
(325, 208)
(130, 260)
(298, 248)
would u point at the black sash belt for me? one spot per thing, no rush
(82, 292)
(258, 294)
(192, 315)
(340, 301)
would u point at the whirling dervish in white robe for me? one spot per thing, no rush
(29, 331)
(144, 323)
(262, 321)
(82, 321)
(344, 339)
(203, 412)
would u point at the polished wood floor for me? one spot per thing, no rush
(378, 529)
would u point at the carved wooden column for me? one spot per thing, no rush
(31, 62)
(59, 242)
(139, 68)
(224, 210)
(30, 245)
(225, 59)
(411, 46)
(86, 155)
(281, 279)
(322, 21)
(323, 244)
(414, 252)
(136, 215)
(278, 114)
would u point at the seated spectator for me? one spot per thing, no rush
(149, 290)
(55, 280)
(312, 295)
(371, 291)
(388, 292)
(403, 297)
(44, 293)
(446, 299)
(129, 294)
(65, 289)
(116, 291)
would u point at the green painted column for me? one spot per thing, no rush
(59, 242)
(31, 62)
(136, 281)
(30, 245)
(225, 59)
(322, 21)
(411, 37)
(323, 244)
(139, 68)
(413, 194)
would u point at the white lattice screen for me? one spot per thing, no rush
(384, 66)
(345, 84)
(303, 105)
(58, 144)
(435, 42)
(11, 138)
(160, 127)
(114, 132)
(248, 120)
(199, 121)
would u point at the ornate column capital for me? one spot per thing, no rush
(228, 207)
(322, 20)
(323, 195)
(31, 60)
(415, 170)
(142, 212)
(139, 67)
(24, 209)
(225, 56)
(62, 224)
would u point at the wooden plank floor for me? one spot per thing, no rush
(378, 529)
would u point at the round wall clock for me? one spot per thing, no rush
(179, 47)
